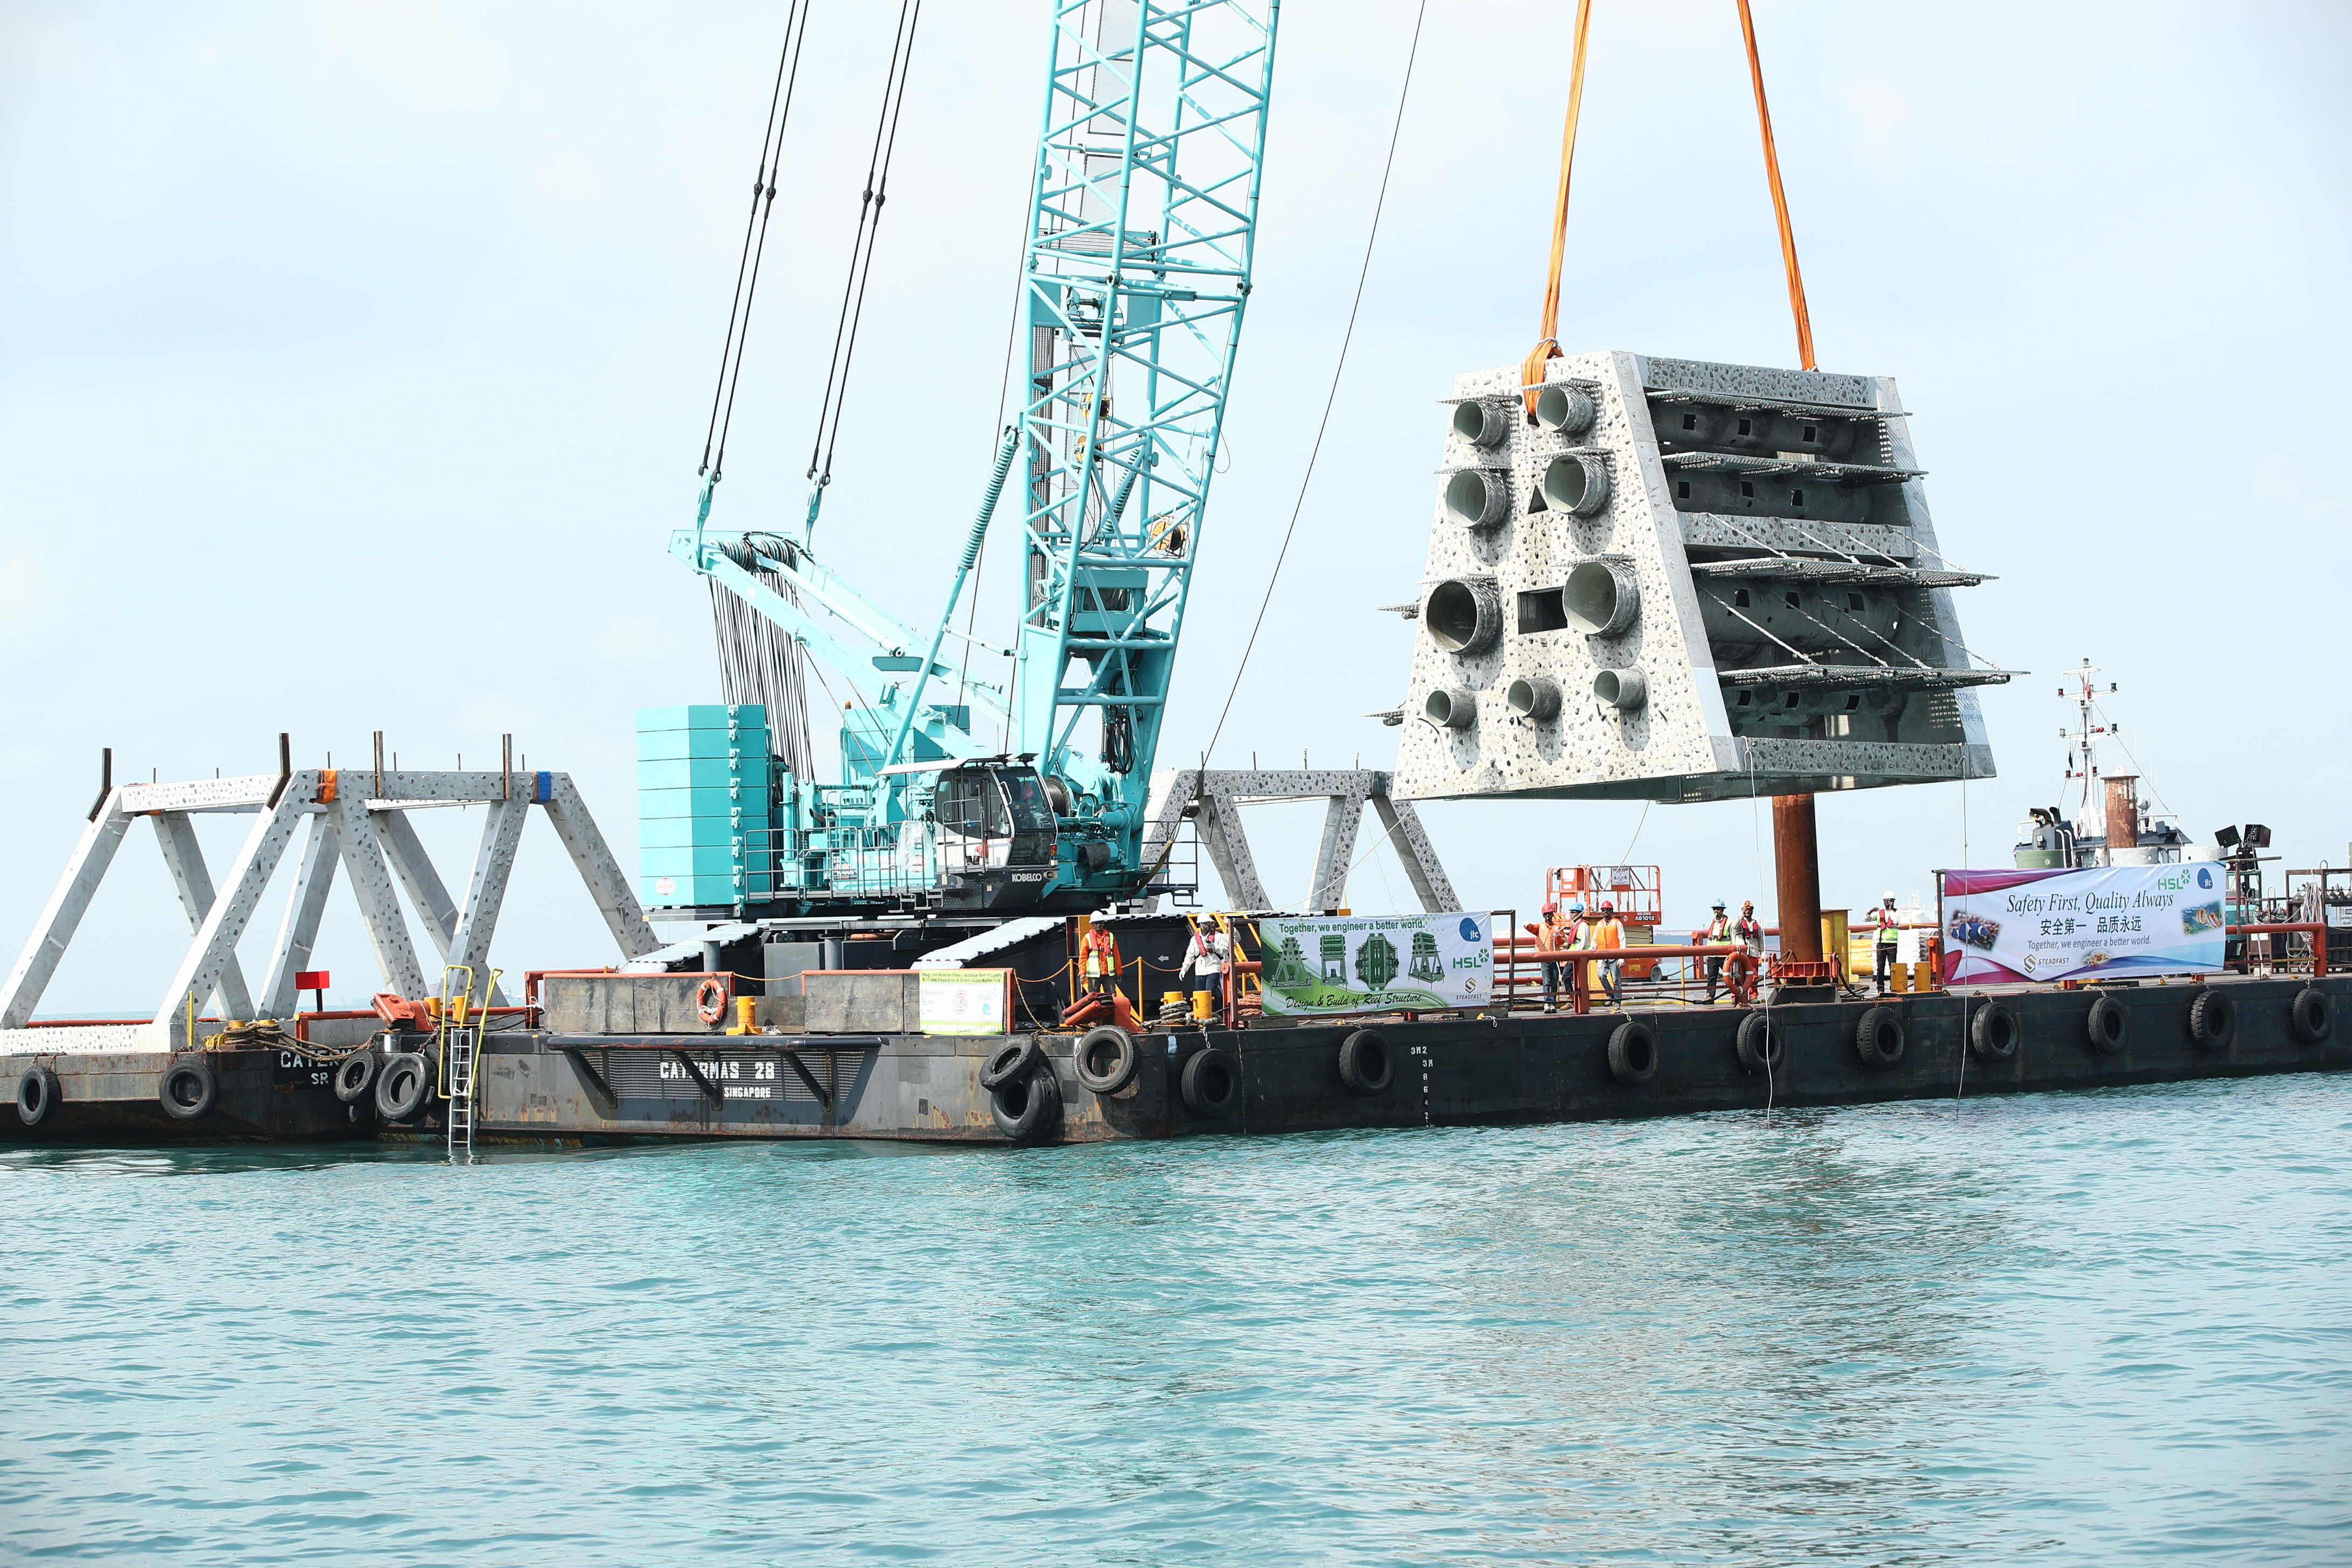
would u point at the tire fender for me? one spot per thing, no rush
(1027, 1108)
(1013, 1060)
(1210, 1083)
(2213, 1020)
(1367, 1066)
(2313, 1016)
(2109, 1025)
(1878, 1039)
(1113, 1046)
(1632, 1052)
(36, 1095)
(1757, 1044)
(1994, 1034)
(404, 1087)
(188, 1089)
(355, 1075)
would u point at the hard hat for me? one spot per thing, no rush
(1716, 905)
(1578, 907)
(1608, 908)
(1888, 898)
(1551, 909)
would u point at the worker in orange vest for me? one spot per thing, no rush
(1556, 934)
(1608, 933)
(1098, 960)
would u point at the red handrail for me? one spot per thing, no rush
(2318, 934)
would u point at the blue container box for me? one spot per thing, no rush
(684, 832)
(751, 774)
(669, 892)
(704, 716)
(658, 805)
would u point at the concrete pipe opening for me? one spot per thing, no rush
(1450, 708)
(1576, 483)
(1463, 615)
(1623, 690)
(1564, 409)
(1476, 498)
(1600, 598)
(1533, 697)
(1481, 423)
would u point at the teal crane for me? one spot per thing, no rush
(965, 792)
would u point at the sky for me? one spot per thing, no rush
(355, 363)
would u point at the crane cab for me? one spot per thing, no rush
(996, 836)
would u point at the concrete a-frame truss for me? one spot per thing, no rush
(351, 819)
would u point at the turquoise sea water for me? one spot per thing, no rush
(2087, 1328)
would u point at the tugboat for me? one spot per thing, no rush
(2111, 825)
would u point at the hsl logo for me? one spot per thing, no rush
(2204, 878)
(1469, 928)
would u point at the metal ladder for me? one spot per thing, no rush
(461, 1048)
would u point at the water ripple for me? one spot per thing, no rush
(2071, 1327)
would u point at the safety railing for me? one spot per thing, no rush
(1738, 966)
(2313, 960)
(1519, 980)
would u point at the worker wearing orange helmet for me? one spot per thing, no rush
(1556, 934)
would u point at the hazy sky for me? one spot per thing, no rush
(353, 363)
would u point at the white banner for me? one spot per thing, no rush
(1377, 963)
(2054, 925)
(963, 1001)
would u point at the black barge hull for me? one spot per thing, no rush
(1452, 1071)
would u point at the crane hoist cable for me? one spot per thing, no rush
(1803, 316)
(1531, 370)
(755, 240)
(861, 256)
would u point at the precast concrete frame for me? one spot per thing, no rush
(352, 818)
(1677, 579)
(1213, 800)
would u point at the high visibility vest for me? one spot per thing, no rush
(1720, 928)
(1606, 933)
(1099, 953)
(1886, 921)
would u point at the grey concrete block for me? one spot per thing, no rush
(1727, 573)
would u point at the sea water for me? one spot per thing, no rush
(2078, 1328)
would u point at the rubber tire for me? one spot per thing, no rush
(394, 1104)
(350, 1088)
(1127, 1059)
(1008, 1061)
(1203, 1071)
(1871, 1033)
(1027, 1108)
(1757, 1044)
(1366, 1045)
(1994, 1034)
(2312, 1016)
(2213, 1020)
(207, 1089)
(38, 1107)
(2109, 1025)
(1632, 1053)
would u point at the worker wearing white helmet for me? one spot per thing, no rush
(1886, 928)
(1718, 930)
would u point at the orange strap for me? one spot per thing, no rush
(1779, 198)
(1531, 370)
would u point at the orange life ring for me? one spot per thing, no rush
(711, 1000)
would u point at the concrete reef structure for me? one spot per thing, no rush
(1670, 580)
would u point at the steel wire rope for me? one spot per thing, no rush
(755, 246)
(1347, 337)
(861, 249)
